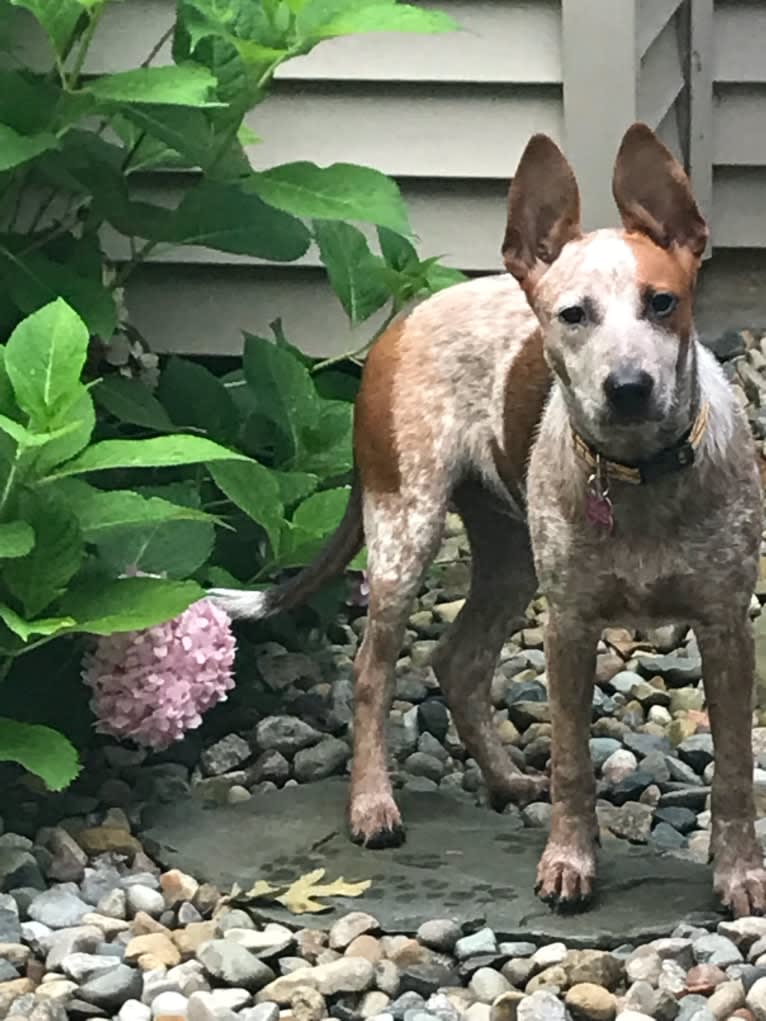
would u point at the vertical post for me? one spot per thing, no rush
(600, 64)
(701, 103)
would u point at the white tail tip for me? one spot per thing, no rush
(239, 603)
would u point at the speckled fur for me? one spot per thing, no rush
(448, 408)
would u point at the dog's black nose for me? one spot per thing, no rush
(628, 392)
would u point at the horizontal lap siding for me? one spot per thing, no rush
(739, 124)
(447, 116)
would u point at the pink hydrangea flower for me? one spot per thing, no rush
(153, 685)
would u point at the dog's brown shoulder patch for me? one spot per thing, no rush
(527, 386)
(375, 445)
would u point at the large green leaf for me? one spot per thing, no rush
(157, 452)
(172, 548)
(193, 396)
(283, 390)
(255, 491)
(128, 604)
(44, 358)
(342, 191)
(227, 218)
(355, 273)
(16, 539)
(172, 85)
(40, 750)
(384, 17)
(294, 486)
(187, 131)
(58, 18)
(40, 577)
(132, 402)
(16, 149)
(328, 450)
(103, 513)
(35, 279)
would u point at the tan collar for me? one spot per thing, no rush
(671, 459)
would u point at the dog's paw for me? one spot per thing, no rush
(565, 877)
(741, 888)
(375, 821)
(519, 789)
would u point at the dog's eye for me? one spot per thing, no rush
(573, 316)
(662, 304)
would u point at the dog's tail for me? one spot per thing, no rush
(339, 550)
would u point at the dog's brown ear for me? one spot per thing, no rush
(653, 193)
(543, 211)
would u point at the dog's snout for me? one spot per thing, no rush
(628, 391)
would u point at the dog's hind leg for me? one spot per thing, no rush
(403, 531)
(502, 584)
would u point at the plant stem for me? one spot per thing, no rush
(349, 355)
(87, 39)
(5, 667)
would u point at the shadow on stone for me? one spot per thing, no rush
(459, 861)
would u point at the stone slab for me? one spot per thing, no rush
(459, 861)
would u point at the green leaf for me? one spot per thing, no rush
(355, 273)
(172, 548)
(328, 450)
(128, 604)
(40, 750)
(58, 18)
(45, 627)
(294, 486)
(82, 420)
(283, 390)
(227, 218)
(103, 513)
(398, 252)
(34, 280)
(173, 85)
(193, 396)
(312, 524)
(40, 577)
(185, 130)
(438, 277)
(16, 539)
(342, 191)
(44, 358)
(16, 149)
(385, 17)
(157, 452)
(132, 402)
(254, 490)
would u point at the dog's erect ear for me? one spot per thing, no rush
(653, 193)
(543, 211)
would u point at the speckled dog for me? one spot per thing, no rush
(642, 497)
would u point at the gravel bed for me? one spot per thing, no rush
(90, 927)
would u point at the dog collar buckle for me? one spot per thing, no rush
(598, 507)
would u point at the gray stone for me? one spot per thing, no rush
(326, 758)
(285, 734)
(223, 756)
(477, 868)
(229, 962)
(346, 929)
(541, 1006)
(271, 765)
(716, 949)
(99, 881)
(80, 939)
(59, 908)
(82, 966)
(439, 934)
(481, 942)
(676, 671)
(110, 990)
(422, 765)
(143, 898)
(10, 926)
(170, 1004)
(756, 999)
(601, 748)
(261, 1012)
(7, 971)
(134, 1010)
(19, 867)
(69, 860)
(281, 669)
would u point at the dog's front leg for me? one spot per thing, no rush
(567, 868)
(728, 668)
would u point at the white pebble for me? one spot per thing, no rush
(169, 1003)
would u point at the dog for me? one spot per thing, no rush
(594, 451)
